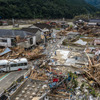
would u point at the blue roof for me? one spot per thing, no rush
(5, 51)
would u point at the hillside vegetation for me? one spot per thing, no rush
(44, 8)
(95, 3)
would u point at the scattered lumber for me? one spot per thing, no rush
(92, 76)
(93, 71)
(18, 52)
(38, 76)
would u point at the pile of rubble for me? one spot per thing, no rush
(19, 52)
(36, 75)
(89, 30)
(62, 84)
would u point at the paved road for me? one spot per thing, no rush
(9, 79)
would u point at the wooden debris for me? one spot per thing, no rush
(93, 72)
(38, 76)
(20, 52)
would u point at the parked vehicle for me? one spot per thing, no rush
(13, 64)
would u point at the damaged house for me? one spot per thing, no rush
(36, 32)
(11, 38)
(45, 28)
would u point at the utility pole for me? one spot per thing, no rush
(13, 21)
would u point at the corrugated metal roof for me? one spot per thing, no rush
(5, 51)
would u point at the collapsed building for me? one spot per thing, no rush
(11, 38)
(35, 31)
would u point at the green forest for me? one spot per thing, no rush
(95, 3)
(44, 8)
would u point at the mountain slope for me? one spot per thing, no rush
(44, 8)
(95, 3)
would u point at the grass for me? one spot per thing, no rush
(16, 28)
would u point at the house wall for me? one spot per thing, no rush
(38, 36)
(34, 40)
(7, 42)
(27, 44)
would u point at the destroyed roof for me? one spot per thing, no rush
(31, 30)
(14, 33)
(5, 51)
(42, 25)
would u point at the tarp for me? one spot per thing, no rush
(81, 42)
(5, 51)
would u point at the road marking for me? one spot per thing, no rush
(4, 77)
